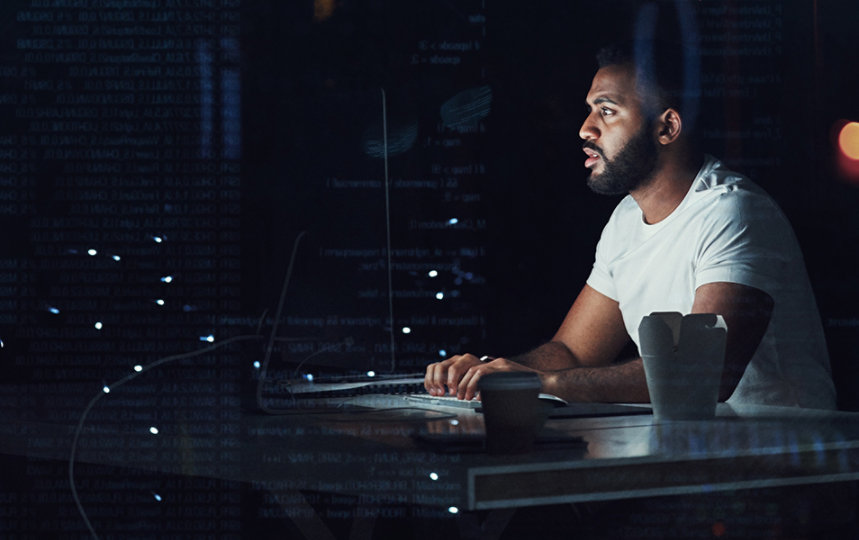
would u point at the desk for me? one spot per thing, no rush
(374, 456)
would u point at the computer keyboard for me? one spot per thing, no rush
(442, 401)
(405, 384)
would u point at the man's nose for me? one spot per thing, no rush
(589, 130)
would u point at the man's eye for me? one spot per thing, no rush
(606, 112)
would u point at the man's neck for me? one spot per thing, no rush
(667, 188)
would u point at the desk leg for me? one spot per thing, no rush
(471, 527)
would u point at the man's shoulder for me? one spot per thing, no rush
(729, 193)
(716, 177)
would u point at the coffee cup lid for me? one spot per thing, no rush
(509, 380)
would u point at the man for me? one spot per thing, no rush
(692, 237)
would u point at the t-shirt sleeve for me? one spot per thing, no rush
(744, 243)
(600, 279)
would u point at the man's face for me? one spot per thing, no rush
(619, 141)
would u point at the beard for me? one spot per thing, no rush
(631, 168)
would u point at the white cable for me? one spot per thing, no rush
(388, 229)
(118, 384)
(277, 315)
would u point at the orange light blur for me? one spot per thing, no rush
(844, 137)
(322, 9)
(848, 140)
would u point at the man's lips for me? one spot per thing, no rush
(593, 156)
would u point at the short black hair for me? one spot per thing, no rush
(668, 71)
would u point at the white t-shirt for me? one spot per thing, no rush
(726, 229)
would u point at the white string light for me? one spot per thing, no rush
(137, 368)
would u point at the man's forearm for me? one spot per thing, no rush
(623, 383)
(550, 356)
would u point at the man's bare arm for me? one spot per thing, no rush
(624, 382)
(747, 313)
(586, 372)
(592, 334)
(553, 355)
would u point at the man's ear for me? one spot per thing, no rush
(669, 126)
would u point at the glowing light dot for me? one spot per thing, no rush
(167, 279)
(2, 344)
(92, 252)
(138, 368)
(371, 373)
(257, 364)
(309, 377)
(106, 389)
(433, 476)
(453, 510)
(442, 352)
(439, 295)
(157, 497)
(454, 422)
(433, 273)
(153, 430)
(116, 258)
(848, 140)
(98, 325)
(157, 239)
(160, 302)
(453, 221)
(210, 338)
(54, 310)
(407, 330)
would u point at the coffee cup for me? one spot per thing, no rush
(511, 410)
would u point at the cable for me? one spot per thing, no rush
(261, 320)
(388, 229)
(330, 347)
(271, 340)
(119, 383)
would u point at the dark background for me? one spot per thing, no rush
(263, 120)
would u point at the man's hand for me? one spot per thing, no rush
(461, 373)
(448, 373)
